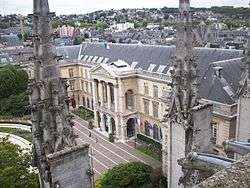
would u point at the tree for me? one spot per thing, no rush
(13, 95)
(15, 166)
(15, 105)
(12, 81)
(134, 174)
(77, 41)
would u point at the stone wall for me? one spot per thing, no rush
(71, 168)
(238, 175)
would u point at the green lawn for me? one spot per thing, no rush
(18, 132)
(150, 151)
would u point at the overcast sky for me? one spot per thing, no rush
(86, 6)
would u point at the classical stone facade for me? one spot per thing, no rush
(88, 66)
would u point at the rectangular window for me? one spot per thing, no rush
(82, 72)
(86, 73)
(91, 88)
(83, 85)
(164, 92)
(72, 85)
(87, 87)
(146, 90)
(71, 73)
(214, 132)
(155, 91)
(146, 106)
(156, 109)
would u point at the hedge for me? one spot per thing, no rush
(149, 141)
(84, 114)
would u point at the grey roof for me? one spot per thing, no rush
(222, 88)
(210, 87)
(69, 52)
(10, 40)
(152, 54)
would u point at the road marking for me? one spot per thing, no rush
(111, 143)
(105, 166)
(97, 171)
(105, 156)
(103, 146)
(101, 153)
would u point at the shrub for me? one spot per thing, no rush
(111, 137)
(90, 125)
(134, 175)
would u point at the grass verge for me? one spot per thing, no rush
(18, 132)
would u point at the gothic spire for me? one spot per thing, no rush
(248, 62)
(184, 74)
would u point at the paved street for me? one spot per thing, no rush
(105, 154)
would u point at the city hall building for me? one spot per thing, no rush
(128, 86)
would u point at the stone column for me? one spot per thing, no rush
(164, 149)
(176, 150)
(117, 129)
(102, 126)
(100, 93)
(123, 132)
(94, 91)
(95, 118)
(116, 100)
(108, 96)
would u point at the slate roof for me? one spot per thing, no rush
(153, 54)
(222, 88)
(211, 87)
(10, 40)
(69, 52)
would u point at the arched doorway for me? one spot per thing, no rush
(155, 132)
(131, 127)
(106, 123)
(112, 121)
(147, 128)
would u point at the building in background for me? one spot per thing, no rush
(68, 31)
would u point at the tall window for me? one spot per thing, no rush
(83, 101)
(88, 103)
(146, 106)
(83, 85)
(87, 86)
(164, 92)
(71, 73)
(129, 95)
(86, 73)
(156, 109)
(155, 91)
(146, 90)
(214, 132)
(82, 72)
(105, 92)
(91, 88)
(72, 85)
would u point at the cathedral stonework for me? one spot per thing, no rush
(52, 126)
